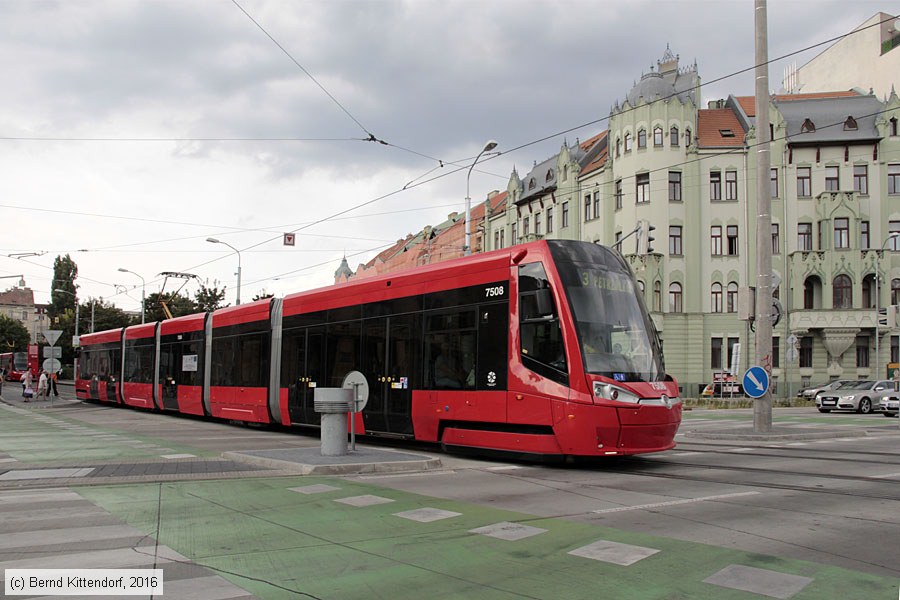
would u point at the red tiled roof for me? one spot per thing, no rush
(748, 103)
(713, 123)
(17, 297)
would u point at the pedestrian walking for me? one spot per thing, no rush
(42, 385)
(54, 384)
(27, 383)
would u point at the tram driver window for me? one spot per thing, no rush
(542, 348)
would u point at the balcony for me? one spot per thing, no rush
(848, 318)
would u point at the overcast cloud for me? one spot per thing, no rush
(434, 79)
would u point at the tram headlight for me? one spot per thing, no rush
(612, 392)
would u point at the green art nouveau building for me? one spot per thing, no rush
(690, 172)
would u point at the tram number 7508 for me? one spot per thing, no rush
(494, 291)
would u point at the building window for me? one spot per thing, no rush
(842, 292)
(619, 194)
(861, 179)
(497, 240)
(850, 124)
(715, 240)
(514, 234)
(804, 236)
(895, 344)
(773, 183)
(894, 227)
(893, 129)
(715, 353)
(675, 240)
(715, 298)
(731, 185)
(525, 227)
(776, 352)
(657, 296)
(776, 241)
(675, 298)
(864, 240)
(895, 292)
(596, 205)
(732, 342)
(731, 297)
(674, 186)
(732, 234)
(673, 136)
(832, 179)
(657, 136)
(550, 220)
(841, 233)
(642, 138)
(537, 224)
(804, 182)
(893, 175)
(627, 143)
(715, 185)
(642, 188)
(565, 215)
(862, 352)
(618, 239)
(587, 207)
(806, 353)
(503, 238)
(618, 147)
(808, 126)
(687, 137)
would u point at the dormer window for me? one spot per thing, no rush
(549, 175)
(531, 183)
(850, 124)
(807, 127)
(726, 133)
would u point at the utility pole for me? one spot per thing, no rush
(762, 406)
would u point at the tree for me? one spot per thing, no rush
(13, 335)
(209, 299)
(63, 289)
(178, 304)
(262, 294)
(105, 316)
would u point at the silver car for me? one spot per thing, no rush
(860, 396)
(892, 406)
(810, 392)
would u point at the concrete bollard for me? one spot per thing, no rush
(333, 404)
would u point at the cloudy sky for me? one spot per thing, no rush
(132, 130)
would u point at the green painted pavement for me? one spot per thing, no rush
(278, 543)
(29, 437)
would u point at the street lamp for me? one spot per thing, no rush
(238, 252)
(892, 236)
(143, 291)
(488, 146)
(20, 283)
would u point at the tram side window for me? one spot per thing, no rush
(240, 361)
(138, 364)
(542, 348)
(450, 347)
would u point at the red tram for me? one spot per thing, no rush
(543, 348)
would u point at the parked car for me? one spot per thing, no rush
(892, 406)
(859, 396)
(810, 392)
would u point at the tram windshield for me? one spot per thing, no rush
(616, 335)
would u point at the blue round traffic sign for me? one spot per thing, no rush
(756, 382)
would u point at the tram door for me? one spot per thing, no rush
(391, 363)
(304, 353)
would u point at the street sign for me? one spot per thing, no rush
(52, 352)
(792, 340)
(52, 335)
(76, 341)
(52, 365)
(756, 382)
(792, 354)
